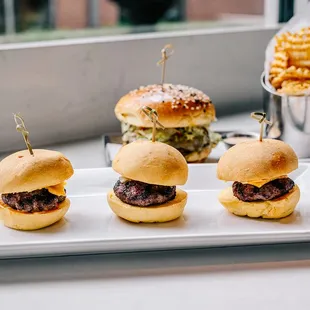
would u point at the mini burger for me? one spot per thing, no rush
(261, 186)
(185, 112)
(146, 191)
(32, 189)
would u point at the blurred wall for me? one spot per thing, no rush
(211, 9)
(72, 14)
(108, 12)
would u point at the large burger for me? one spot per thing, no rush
(261, 185)
(146, 190)
(32, 189)
(185, 112)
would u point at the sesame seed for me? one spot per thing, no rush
(180, 95)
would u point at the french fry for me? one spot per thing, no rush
(289, 70)
(295, 87)
(304, 63)
(291, 73)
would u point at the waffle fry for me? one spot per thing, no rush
(289, 70)
(298, 53)
(291, 73)
(295, 87)
(279, 64)
(304, 63)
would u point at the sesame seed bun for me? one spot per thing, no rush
(176, 105)
(151, 162)
(255, 161)
(32, 221)
(271, 209)
(166, 212)
(22, 172)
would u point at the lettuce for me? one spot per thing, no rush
(188, 139)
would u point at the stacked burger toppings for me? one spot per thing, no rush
(147, 189)
(185, 112)
(261, 186)
(32, 188)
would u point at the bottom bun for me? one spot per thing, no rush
(32, 221)
(198, 157)
(166, 212)
(271, 209)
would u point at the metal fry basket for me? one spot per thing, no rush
(290, 117)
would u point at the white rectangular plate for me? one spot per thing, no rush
(91, 227)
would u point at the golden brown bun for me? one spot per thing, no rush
(22, 172)
(196, 157)
(257, 161)
(177, 106)
(32, 221)
(166, 212)
(152, 163)
(272, 209)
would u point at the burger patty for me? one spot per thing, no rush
(142, 194)
(269, 191)
(36, 201)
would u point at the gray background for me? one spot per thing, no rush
(67, 90)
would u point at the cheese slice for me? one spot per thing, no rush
(124, 180)
(258, 184)
(58, 190)
(263, 182)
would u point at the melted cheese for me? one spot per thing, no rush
(124, 180)
(58, 190)
(263, 182)
(259, 184)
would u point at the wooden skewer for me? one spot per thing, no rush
(20, 127)
(261, 118)
(164, 56)
(153, 116)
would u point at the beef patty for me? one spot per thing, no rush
(269, 191)
(142, 194)
(36, 201)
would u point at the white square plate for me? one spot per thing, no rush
(91, 227)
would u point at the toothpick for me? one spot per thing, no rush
(164, 56)
(261, 118)
(153, 116)
(20, 126)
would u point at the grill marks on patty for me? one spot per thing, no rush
(142, 194)
(271, 190)
(36, 201)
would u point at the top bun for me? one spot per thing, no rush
(22, 172)
(255, 161)
(151, 162)
(176, 105)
